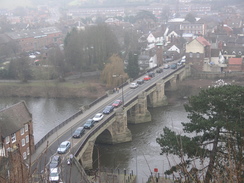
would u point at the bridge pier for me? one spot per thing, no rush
(139, 113)
(173, 82)
(158, 97)
(119, 129)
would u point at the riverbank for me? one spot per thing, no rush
(90, 88)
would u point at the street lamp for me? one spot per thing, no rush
(136, 162)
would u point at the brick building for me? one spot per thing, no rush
(16, 130)
(32, 40)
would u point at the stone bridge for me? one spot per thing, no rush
(114, 129)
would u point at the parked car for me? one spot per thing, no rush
(55, 160)
(147, 78)
(98, 117)
(159, 70)
(151, 74)
(54, 175)
(64, 147)
(133, 85)
(117, 103)
(108, 109)
(140, 81)
(173, 66)
(78, 132)
(166, 66)
(89, 124)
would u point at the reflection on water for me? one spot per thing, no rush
(46, 112)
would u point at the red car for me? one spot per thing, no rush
(117, 103)
(147, 78)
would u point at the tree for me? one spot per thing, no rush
(113, 74)
(89, 50)
(190, 17)
(56, 58)
(20, 69)
(133, 66)
(215, 136)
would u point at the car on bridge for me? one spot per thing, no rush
(64, 147)
(147, 78)
(78, 132)
(98, 117)
(166, 66)
(117, 103)
(159, 70)
(55, 161)
(133, 85)
(173, 66)
(140, 81)
(89, 124)
(54, 175)
(108, 109)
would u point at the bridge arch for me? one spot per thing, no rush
(105, 137)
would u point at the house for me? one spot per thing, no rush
(235, 64)
(197, 28)
(197, 51)
(16, 130)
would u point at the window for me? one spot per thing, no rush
(23, 142)
(22, 131)
(27, 139)
(28, 151)
(198, 55)
(7, 140)
(190, 55)
(13, 137)
(24, 155)
(26, 127)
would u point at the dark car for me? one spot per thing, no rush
(117, 103)
(78, 132)
(89, 124)
(55, 160)
(159, 70)
(108, 109)
(173, 66)
(151, 74)
(140, 81)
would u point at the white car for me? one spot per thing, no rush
(54, 175)
(98, 117)
(133, 85)
(166, 66)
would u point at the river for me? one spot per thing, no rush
(143, 153)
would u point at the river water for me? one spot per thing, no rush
(141, 155)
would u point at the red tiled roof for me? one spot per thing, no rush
(235, 61)
(203, 41)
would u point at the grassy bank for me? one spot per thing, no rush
(68, 89)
